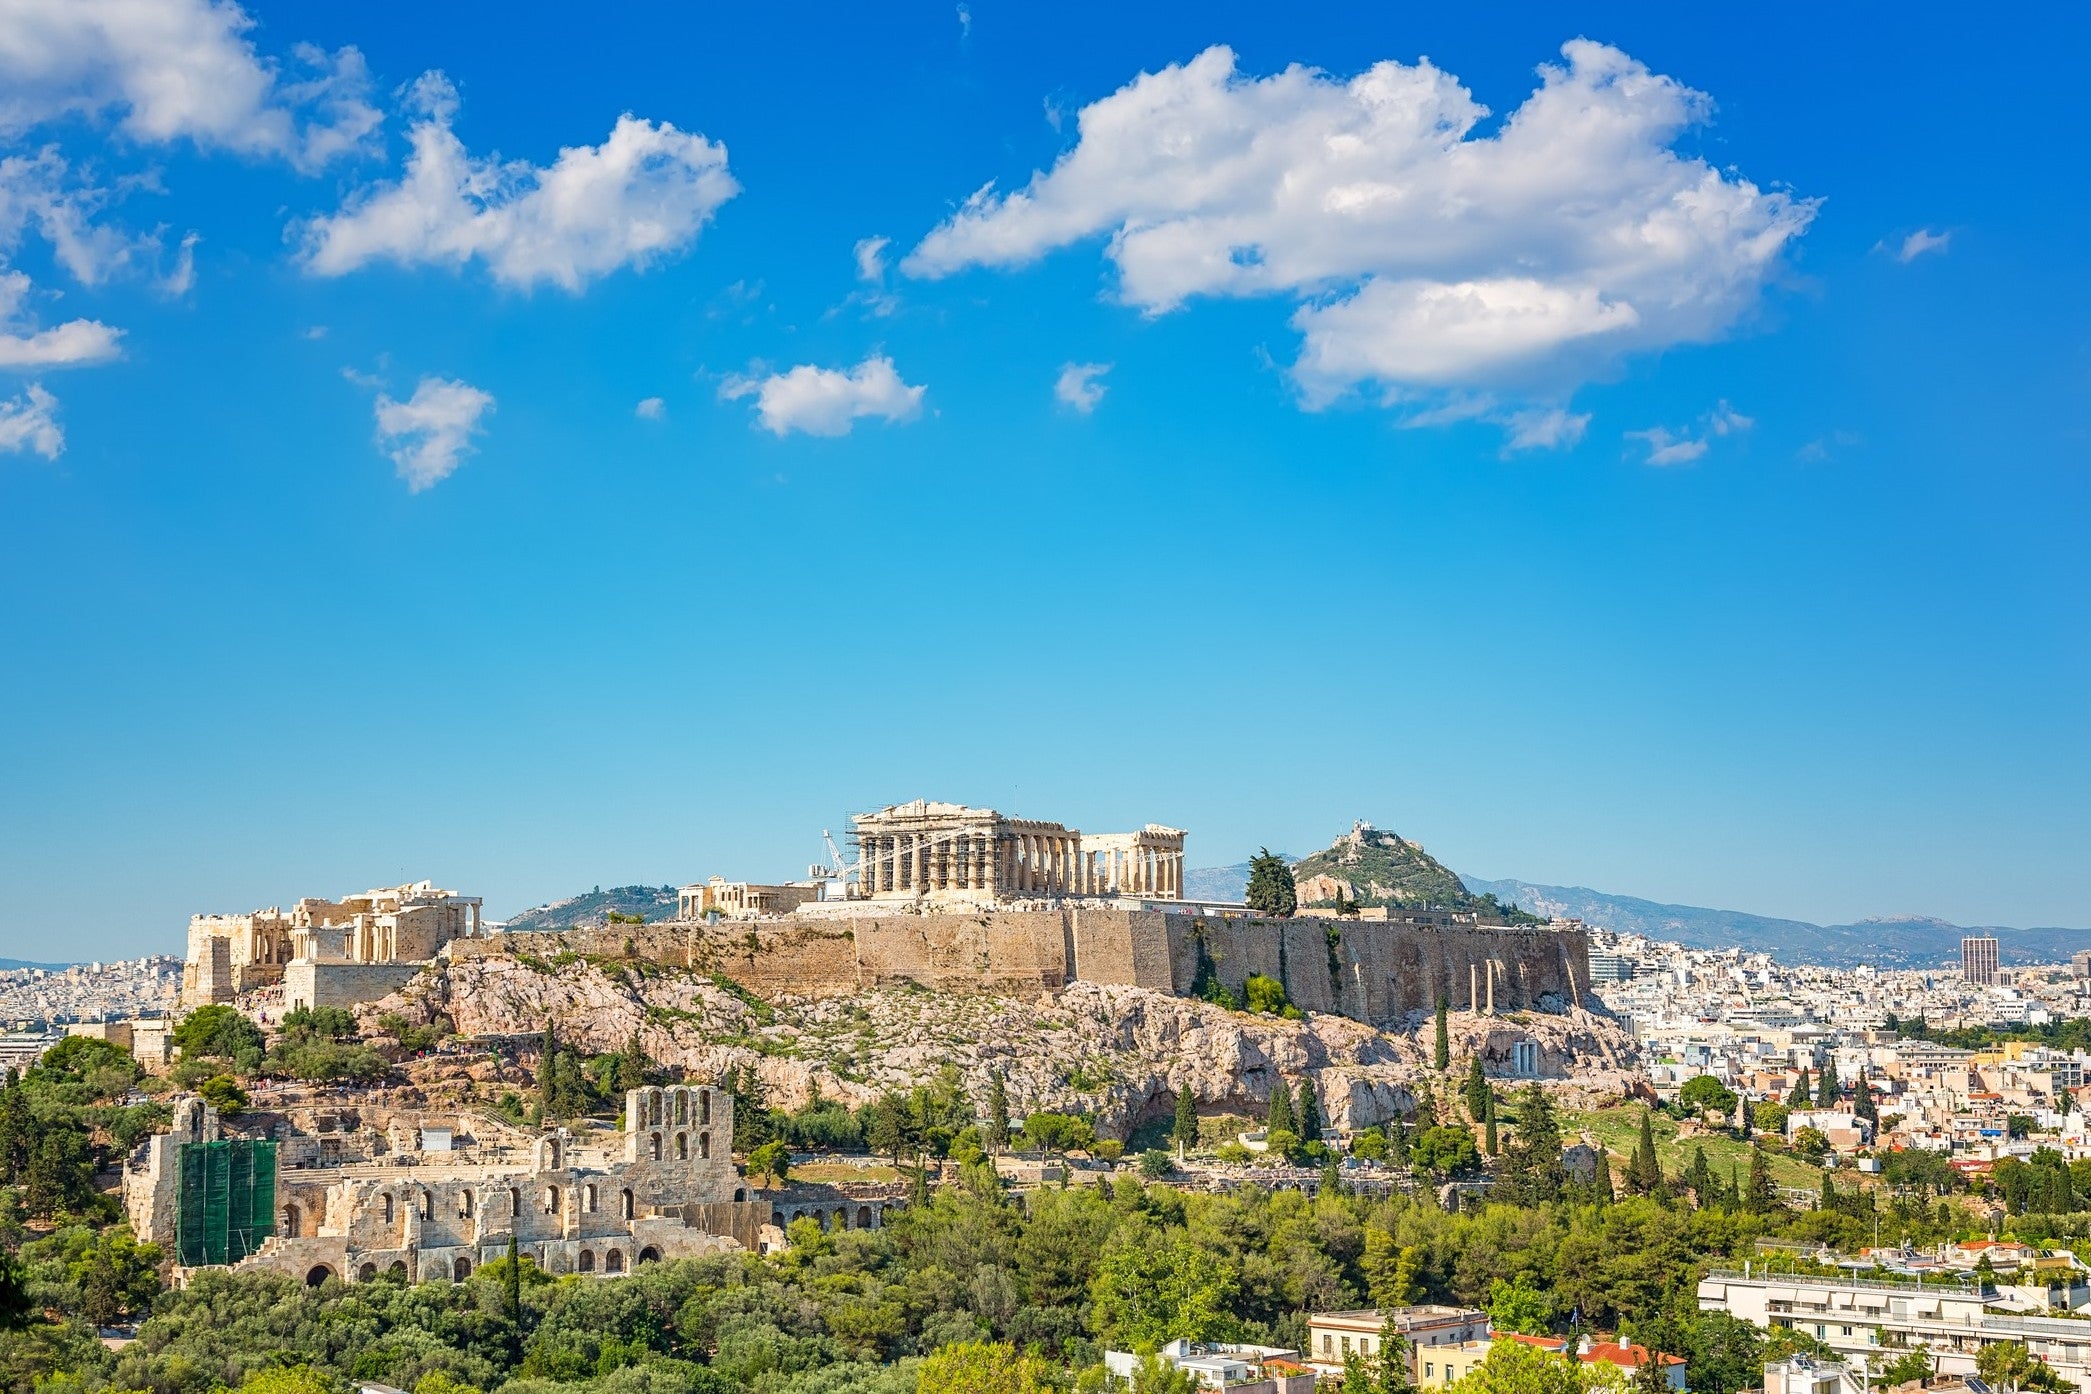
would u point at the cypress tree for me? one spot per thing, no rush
(547, 1070)
(1306, 1112)
(512, 1285)
(1828, 1199)
(1442, 1056)
(1826, 1090)
(1644, 1173)
(997, 1133)
(1281, 1110)
(1476, 1089)
(1698, 1178)
(1865, 1107)
(1800, 1096)
(1761, 1198)
(1489, 1141)
(1185, 1133)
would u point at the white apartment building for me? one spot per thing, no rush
(1868, 1322)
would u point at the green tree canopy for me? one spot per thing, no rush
(1150, 1290)
(219, 1032)
(1271, 889)
(1703, 1094)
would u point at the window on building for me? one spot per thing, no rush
(591, 1198)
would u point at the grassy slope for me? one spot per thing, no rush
(1619, 1129)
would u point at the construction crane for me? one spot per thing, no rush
(834, 874)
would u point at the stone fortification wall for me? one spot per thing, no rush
(1370, 971)
(310, 983)
(1381, 973)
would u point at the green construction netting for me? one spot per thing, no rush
(228, 1200)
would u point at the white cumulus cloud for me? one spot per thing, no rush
(651, 409)
(645, 192)
(29, 421)
(180, 69)
(827, 401)
(1426, 258)
(428, 435)
(1079, 385)
(71, 344)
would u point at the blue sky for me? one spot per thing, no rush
(1674, 482)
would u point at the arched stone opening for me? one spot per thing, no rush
(367, 1273)
(586, 1263)
(863, 1217)
(461, 1268)
(398, 1269)
(624, 1203)
(319, 1274)
(682, 1147)
(649, 1254)
(613, 1262)
(293, 1223)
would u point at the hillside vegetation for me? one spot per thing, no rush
(1384, 868)
(593, 909)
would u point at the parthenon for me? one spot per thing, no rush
(946, 851)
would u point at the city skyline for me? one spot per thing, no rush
(533, 458)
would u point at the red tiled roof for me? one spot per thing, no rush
(1631, 1356)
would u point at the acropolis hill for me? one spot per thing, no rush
(961, 899)
(1070, 963)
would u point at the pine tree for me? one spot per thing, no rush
(1281, 1110)
(1442, 1056)
(1826, 1090)
(996, 1134)
(1185, 1133)
(1271, 889)
(1530, 1171)
(1306, 1112)
(1800, 1096)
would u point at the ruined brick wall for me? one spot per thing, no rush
(1372, 971)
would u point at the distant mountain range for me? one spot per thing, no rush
(9, 965)
(1892, 941)
(1897, 941)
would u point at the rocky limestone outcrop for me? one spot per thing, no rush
(1118, 1053)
